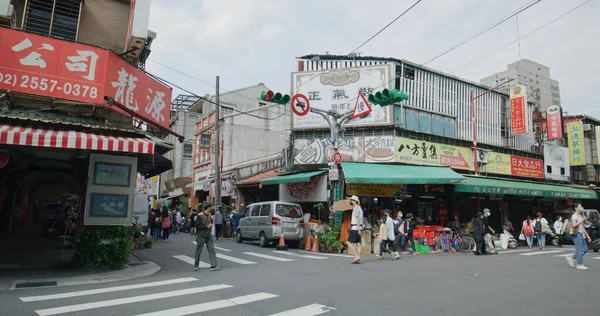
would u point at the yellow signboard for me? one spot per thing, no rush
(419, 152)
(371, 189)
(497, 163)
(576, 153)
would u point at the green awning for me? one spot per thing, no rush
(292, 178)
(398, 174)
(496, 186)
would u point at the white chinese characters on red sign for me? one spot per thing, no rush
(527, 167)
(554, 122)
(50, 67)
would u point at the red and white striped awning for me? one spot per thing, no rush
(63, 138)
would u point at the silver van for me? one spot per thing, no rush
(266, 220)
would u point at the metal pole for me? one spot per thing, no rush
(475, 156)
(217, 160)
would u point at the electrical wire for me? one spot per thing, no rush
(481, 32)
(522, 37)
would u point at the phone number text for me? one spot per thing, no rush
(48, 85)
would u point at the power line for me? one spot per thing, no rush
(481, 32)
(522, 37)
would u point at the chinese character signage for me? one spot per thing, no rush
(60, 69)
(337, 90)
(518, 109)
(554, 122)
(380, 149)
(320, 151)
(418, 152)
(575, 134)
(514, 165)
(371, 189)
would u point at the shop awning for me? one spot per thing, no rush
(36, 136)
(398, 174)
(497, 186)
(292, 178)
(255, 179)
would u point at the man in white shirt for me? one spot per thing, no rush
(389, 222)
(356, 226)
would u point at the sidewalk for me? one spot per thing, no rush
(23, 278)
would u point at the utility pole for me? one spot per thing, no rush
(217, 160)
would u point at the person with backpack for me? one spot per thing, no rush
(539, 227)
(527, 231)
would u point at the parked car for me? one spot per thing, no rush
(264, 221)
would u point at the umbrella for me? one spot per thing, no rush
(342, 205)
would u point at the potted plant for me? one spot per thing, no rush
(319, 207)
(148, 243)
(330, 239)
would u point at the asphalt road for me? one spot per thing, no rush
(262, 281)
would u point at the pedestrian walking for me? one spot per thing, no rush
(389, 223)
(558, 230)
(407, 229)
(356, 227)
(580, 238)
(218, 223)
(527, 231)
(489, 244)
(204, 224)
(479, 234)
(193, 219)
(230, 221)
(237, 216)
(166, 223)
(383, 236)
(398, 235)
(539, 227)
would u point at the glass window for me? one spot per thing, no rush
(437, 125)
(248, 212)
(555, 95)
(555, 88)
(256, 210)
(555, 102)
(425, 122)
(56, 18)
(287, 210)
(412, 119)
(265, 210)
(448, 127)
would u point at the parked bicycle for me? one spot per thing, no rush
(464, 242)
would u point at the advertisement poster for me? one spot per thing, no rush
(320, 151)
(337, 90)
(313, 191)
(514, 165)
(554, 122)
(518, 109)
(380, 149)
(418, 152)
(576, 153)
(371, 189)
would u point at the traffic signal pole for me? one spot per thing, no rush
(217, 160)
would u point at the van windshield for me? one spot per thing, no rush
(285, 210)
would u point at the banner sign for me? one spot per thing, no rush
(514, 165)
(61, 69)
(576, 153)
(418, 152)
(371, 189)
(518, 109)
(554, 122)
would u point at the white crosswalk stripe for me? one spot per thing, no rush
(540, 253)
(190, 260)
(260, 255)
(564, 255)
(218, 248)
(234, 259)
(596, 258)
(302, 256)
(134, 299)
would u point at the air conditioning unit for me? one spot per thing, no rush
(587, 127)
(482, 156)
(8, 16)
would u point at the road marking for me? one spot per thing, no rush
(190, 260)
(596, 258)
(512, 251)
(105, 290)
(540, 252)
(222, 249)
(128, 300)
(308, 310)
(565, 255)
(234, 259)
(209, 306)
(260, 255)
(297, 255)
(327, 254)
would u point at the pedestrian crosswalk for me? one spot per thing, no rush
(550, 252)
(159, 302)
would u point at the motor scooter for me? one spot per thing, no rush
(506, 231)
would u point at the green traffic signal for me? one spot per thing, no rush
(387, 97)
(271, 96)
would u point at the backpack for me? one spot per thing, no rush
(538, 226)
(528, 230)
(397, 225)
(568, 227)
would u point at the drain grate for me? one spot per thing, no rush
(471, 274)
(35, 284)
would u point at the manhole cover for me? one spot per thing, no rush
(347, 269)
(471, 274)
(35, 284)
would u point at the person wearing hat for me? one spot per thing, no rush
(490, 249)
(356, 226)
(479, 232)
(203, 230)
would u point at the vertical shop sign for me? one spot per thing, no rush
(576, 153)
(518, 109)
(338, 191)
(554, 122)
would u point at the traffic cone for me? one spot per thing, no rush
(308, 245)
(282, 245)
(315, 247)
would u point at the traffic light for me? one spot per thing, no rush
(275, 97)
(387, 97)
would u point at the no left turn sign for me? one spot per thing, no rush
(300, 104)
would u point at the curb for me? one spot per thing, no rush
(141, 270)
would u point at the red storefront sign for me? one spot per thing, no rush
(554, 122)
(518, 110)
(526, 167)
(65, 70)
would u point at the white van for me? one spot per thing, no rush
(266, 220)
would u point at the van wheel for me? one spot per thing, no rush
(238, 237)
(262, 240)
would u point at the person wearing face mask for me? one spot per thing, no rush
(385, 242)
(579, 236)
(479, 233)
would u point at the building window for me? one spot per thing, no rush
(562, 171)
(555, 95)
(549, 169)
(58, 18)
(409, 73)
(554, 88)
(555, 102)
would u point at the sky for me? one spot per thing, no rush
(249, 42)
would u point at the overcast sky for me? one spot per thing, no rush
(246, 42)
